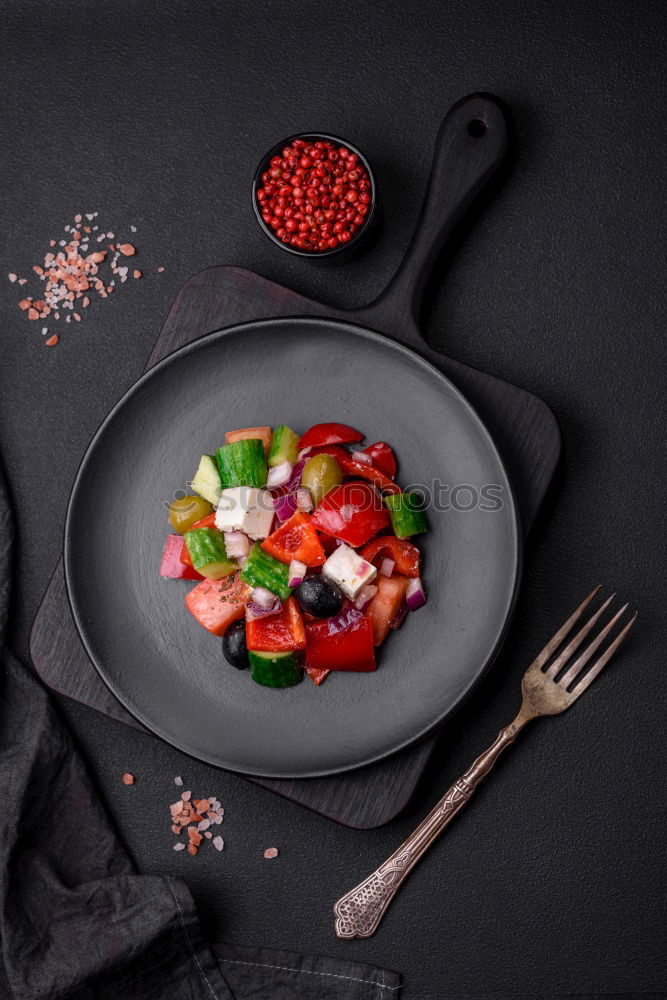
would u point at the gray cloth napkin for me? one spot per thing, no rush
(77, 922)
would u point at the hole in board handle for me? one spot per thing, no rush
(476, 128)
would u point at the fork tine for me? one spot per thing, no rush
(574, 644)
(603, 660)
(556, 640)
(580, 663)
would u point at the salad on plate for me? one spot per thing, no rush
(302, 549)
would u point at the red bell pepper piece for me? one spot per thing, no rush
(317, 674)
(279, 633)
(406, 556)
(353, 467)
(349, 649)
(352, 512)
(172, 566)
(216, 604)
(330, 434)
(296, 538)
(382, 458)
(206, 522)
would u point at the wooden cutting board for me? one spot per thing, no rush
(524, 430)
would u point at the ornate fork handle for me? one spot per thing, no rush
(360, 911)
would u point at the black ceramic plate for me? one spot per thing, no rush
(165, 668)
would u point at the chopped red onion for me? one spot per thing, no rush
(263, 597)
(415, 596)
(346, 617)
(304, 500)
(279, 475)
(303, 453)
(254, 610)
(387, 567)
(295, 479)
(285, 506)
(297, 571)
(397, 620)
(365, 596)
(361, 456)
(237, 544)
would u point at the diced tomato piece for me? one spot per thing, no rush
(330, 434)
(382, 458)
(350, 649)
(279, 633)
(217, 603)
(386, 604)
(171, 565)
(353, 467)
(352, 512)
(296, 538)
(247, 433)
(405, 555)
(317, 674)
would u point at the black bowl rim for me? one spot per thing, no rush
(314, 254)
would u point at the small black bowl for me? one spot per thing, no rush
(360, 239)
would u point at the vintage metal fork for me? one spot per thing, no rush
(360, 911)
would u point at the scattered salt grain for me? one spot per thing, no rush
(71, 273)
(218, 843)
(188, 817)
(178, 780)
(179, 846)
(271, 852)
(128, 779)
(160, 270)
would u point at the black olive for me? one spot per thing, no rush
(234, 646)
(319, 596)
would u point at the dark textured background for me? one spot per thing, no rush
(155, 114)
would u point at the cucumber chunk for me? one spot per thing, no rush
(208, 553)
(284, 446)
(275, 670)
(242, 463)
(262, 570)
(207, 480)
(406, 518)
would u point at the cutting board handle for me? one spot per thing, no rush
(471, 145)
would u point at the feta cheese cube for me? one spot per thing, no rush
(346, 568)
(246, 509)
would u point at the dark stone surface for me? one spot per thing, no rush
(155, 114)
